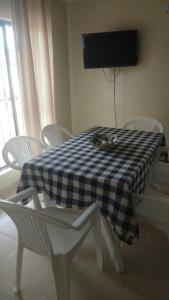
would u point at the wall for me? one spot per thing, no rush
(5, 9)
(61, 64)
(140, 90)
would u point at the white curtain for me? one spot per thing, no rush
(33, 35)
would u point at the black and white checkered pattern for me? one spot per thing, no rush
(76, 173)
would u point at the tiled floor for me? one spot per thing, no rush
(146, 276)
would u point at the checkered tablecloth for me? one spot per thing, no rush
(76, 173)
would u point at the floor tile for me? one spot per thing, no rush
(7, 226)
(163, 287)
(3, 297)
(146, 287)
(36, 277)
(146, 276)
(7, 247)
(49, 294)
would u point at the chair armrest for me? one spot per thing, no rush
(66, 131)
(14, 166)
(9, 163)
(26, 194)
(84, 218)
(76, 225)
(31, 192)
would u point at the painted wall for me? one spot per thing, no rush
(5, 9)
(140, 90)
(61, 64)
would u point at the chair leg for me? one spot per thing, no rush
(97, 235)
(113, 245)
(61, 272)
(19, 260)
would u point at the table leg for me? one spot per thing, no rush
(113, 245)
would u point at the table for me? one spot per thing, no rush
(76, 173)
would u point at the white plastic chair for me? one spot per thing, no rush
(143, 123)
(153, 206)
(54, 134)
(19, 150)
(52, 232)
(161, 150)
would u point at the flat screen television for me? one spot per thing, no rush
(110, 49)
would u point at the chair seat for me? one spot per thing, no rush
(63, 240)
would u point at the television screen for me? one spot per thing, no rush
(110, 49)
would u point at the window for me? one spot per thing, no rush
(11, 121)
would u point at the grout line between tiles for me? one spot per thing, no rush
(6, 260)
(45, 293)
(7, 235)
(122, 288)
(4, 296)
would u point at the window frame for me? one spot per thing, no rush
(3, 23)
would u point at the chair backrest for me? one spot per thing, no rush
(143, 123)
(54, 134)
(31, 223)
(31, 230)
(19, 150)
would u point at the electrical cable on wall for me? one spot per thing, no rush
(113, 79)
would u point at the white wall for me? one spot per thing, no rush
(140, 90)
(5, 9)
